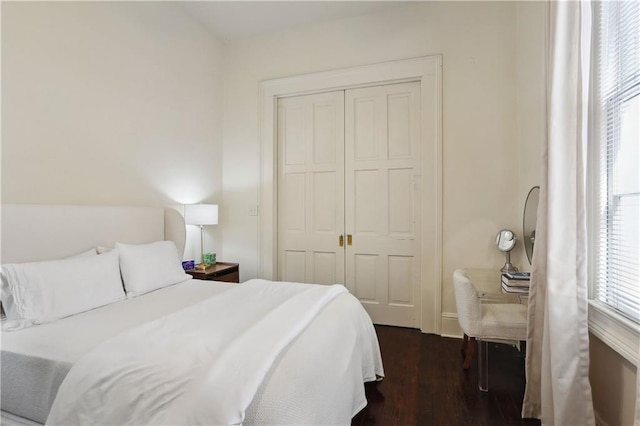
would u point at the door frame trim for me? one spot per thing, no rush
(428, 71)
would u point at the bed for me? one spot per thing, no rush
(196, 352)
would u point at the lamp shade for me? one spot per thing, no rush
(201, 214)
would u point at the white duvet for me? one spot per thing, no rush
(206, 363)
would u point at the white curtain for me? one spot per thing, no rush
(557, 364)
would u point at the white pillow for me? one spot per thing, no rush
(148, 267)
(40, 292)
(86, 253)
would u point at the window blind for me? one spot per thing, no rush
(618, 240)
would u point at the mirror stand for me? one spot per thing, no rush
(508, 266)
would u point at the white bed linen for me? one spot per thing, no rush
(327, 359)
(36, 360)
(188, 369)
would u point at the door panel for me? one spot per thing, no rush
(364, 139)
(400, 184)
(401, 269)
(400, 132)
(365, 271)
(366, 185)
(324, 211)
(311, 188)
(325, 268)
(349, 163)
(382, 162)
(295, 264)
(294, 204)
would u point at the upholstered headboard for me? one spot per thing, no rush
(40, 232)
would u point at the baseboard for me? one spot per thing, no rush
(599, 421)
(449, 325)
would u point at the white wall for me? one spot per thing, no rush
(613, 384)
(110, 103)
(483, 173)
(530, 107)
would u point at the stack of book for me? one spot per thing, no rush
(516, 282)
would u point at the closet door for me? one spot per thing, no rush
(311, 188)
(382, 197)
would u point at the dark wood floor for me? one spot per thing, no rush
(425, 384)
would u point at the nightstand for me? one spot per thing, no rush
(221, 271)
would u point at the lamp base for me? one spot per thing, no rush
(200, 267)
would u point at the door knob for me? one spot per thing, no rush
(341, 241)
(349, 239)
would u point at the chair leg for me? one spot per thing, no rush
(471, 345)
(483, 365)
(465, 341)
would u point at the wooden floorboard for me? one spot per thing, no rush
(426, 385)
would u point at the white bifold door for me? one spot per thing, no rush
(349, 195)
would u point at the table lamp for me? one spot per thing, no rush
(201, 215)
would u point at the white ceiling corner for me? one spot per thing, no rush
(232, 20)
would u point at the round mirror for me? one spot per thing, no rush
(505, 240)
(529, 220)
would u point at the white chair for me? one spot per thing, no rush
(484, 320)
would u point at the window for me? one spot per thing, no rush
(616, 239)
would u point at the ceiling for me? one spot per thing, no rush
(232, 20)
